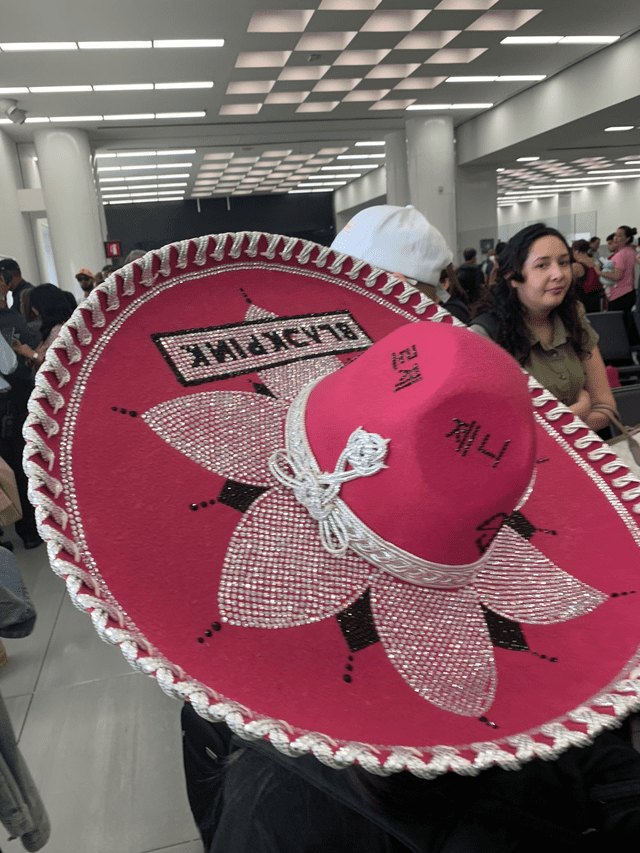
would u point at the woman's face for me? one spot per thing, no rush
(620, 240)
(547, 276)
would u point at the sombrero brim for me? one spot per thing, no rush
(139, 509)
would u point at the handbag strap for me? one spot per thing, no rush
(614, 418)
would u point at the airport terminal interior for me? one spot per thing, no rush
(132, 125)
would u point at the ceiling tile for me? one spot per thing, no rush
(453, 56)
(280, 21)
(250, 87)
(382, 72)
(361, 57)
(240, 109)
(324, 41)
(263, 59)
(420, 83)
(286, 97)
(392, 105)
(364, 95)
(427, 41)
(464, 5)
(389, 21)
(317, 106)
(303, 72)
(504, 19)
(337, 84)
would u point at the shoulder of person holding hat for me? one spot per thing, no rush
(403, 242)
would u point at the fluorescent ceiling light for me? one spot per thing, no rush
(131, 117)
(123, 87)
(620, 172)
(317, 107)
(516, 78)
(38, 45)
(41, 90)
(188, 42)
(365, 95)
(76, 118)
(531, 40)
(377, 142)
(621, 127)
(250, 87)
(321, 42)
(195, 114)
(263, 59)
(281, 21)
(136, 154)
(301, 72)
(202, 84)
(450, 107)
(500, 170)
(104, 154)
(286, 97)
(527, 159)
(174, 165)
(470, 79)
(361, 57)
(239, 109)
(504, 19)
(36, 119)
(14, 90)
(464, 5)
(385, 72)
(427, 40)
(588, 39)
(452, 55)
(178, 152)
(113, 45)
(394, 21)
(131, 168)
(391, 105)
(337, 84)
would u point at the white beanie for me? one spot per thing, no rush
(396, 239)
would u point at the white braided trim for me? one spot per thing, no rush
(109, 621)
(584, 441)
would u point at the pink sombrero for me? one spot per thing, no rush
(307, 501)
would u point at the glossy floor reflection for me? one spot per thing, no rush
(103, 742)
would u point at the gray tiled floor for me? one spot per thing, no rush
(102, 742)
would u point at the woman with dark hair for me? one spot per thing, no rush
(585, 276)
(533, 312)
(620, 292)
(48, 303)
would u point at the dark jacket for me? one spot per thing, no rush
(247, 797)
(471, 280)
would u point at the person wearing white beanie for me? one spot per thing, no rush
(402, 241)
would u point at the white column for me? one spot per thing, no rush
(431, 168)
(64, 161)
(16, 239)
(396, 166)
(477, 208)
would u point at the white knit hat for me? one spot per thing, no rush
(396, 239)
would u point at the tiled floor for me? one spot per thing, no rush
(102, 742)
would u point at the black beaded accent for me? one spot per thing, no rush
(133, 414)
(207, 633)
(216, 626)
(130, 412)
(246, 298)
(347, 678)
(261, 388)
(349, 667)
(504, 633)
(201, 639)
(203, 504)
(620, 594)
(356, 624)
(544, 657)
(488, 722)
(521, 525)
(239, 496)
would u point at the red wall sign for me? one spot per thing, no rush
(113, 249)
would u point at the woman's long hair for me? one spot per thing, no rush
(51, 305)
(503, 304)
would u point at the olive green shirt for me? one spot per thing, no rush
(557, 365)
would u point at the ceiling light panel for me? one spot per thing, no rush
(123, 87)
(43, 90)
(384, 72)
(418, 83)
(286, 97)
(294, 72)
(325, 41)
(178, 43)
(503, 20)
(464, 5)
(281, 21)
(263, 59)
(219, 155)
(427, 41)
(454, 56)
(337, 84)
(317, 107)
(361, 57)
(38, 45)
(531, 40)
(394, 21)
(250, 87)
(14, 90)
(365, 95)
(240, 109)
(392, 105)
